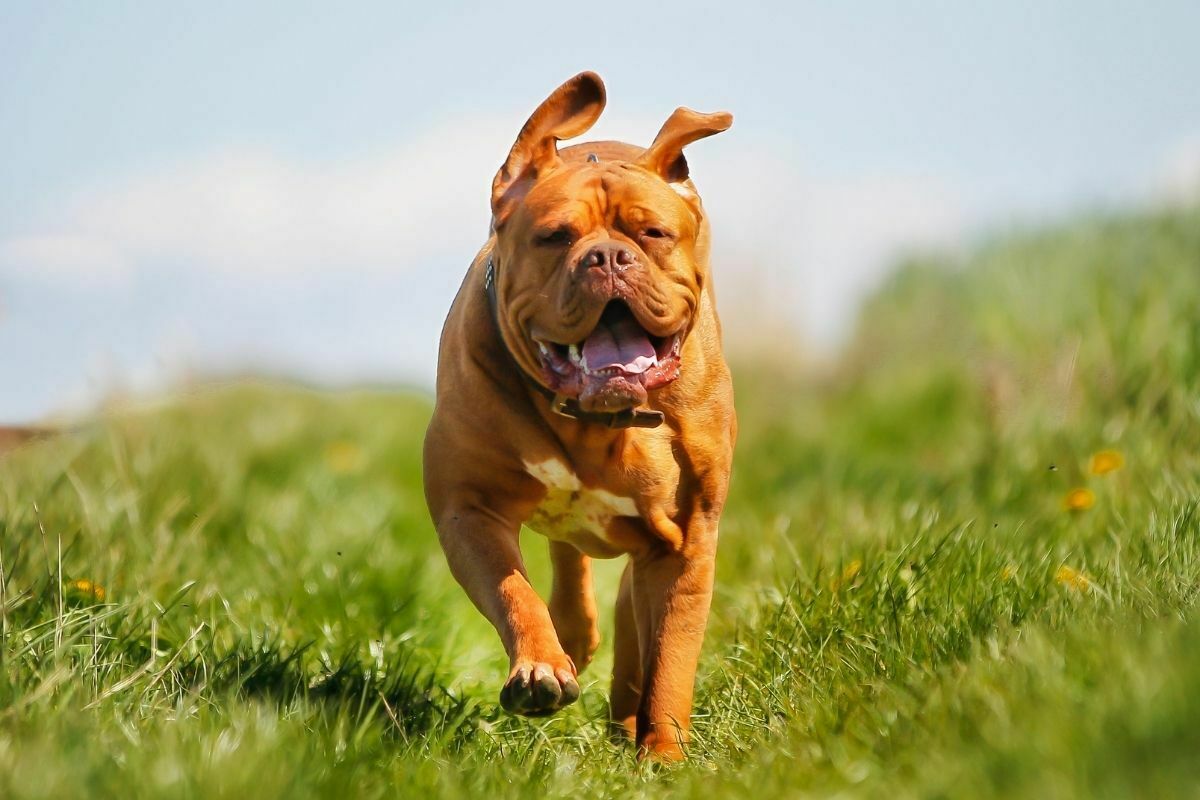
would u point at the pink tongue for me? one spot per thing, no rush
(619, 343)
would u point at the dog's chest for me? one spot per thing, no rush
(570, 511)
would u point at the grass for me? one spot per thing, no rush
(239, 594)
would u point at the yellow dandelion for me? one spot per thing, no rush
(343, 457)
(85, 589)
(1080, 499)
(1107, 461)
(1008, 572)
(1072, 579)
(848, 575)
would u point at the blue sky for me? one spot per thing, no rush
(225, 186)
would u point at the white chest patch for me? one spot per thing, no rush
(569, 509)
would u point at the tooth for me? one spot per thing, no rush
(573, 352)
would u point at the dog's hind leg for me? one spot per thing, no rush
(627, 661)
(672, 592)
(572, 603)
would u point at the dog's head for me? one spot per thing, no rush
(599, 251)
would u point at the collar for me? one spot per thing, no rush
(560, 404)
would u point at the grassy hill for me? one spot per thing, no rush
(966, 563)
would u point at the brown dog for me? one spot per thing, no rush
(581, 390)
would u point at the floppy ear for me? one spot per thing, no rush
(568, 112)
(665, 155)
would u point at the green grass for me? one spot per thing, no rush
(892, 614)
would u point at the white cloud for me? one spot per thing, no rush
(260, 213)
(66, 257)
(799, 251)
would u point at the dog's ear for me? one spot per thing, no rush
(665, 155)
(569, 111)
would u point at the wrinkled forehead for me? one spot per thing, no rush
(592, 194)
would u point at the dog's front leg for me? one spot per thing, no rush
(485, 557)
(672, 592)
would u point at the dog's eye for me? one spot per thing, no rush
(655, 233)
(555, 237)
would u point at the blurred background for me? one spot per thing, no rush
(197, 191)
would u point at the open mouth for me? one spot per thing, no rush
(615, 366)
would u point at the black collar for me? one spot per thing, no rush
(560, 404)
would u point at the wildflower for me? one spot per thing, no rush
(1080, 499)
(848, 575)
(1106, 461)
(1072, 579)
(1008, 572)
(343, 456)
(83, 589)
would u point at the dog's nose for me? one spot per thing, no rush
(610, 257)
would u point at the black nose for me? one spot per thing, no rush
(609, 257)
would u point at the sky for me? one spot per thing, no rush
(200, 189)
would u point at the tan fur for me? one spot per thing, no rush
(496, 456)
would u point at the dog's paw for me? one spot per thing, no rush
(538, 689)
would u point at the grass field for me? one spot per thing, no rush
(963, 563)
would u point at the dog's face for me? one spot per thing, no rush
(602, 281)
(597, 251)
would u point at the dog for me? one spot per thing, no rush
(582, 391)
